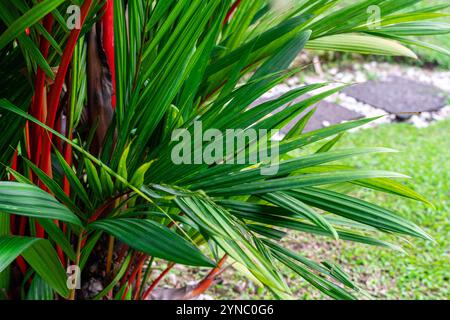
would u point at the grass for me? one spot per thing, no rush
(421, 274)
(425, 154)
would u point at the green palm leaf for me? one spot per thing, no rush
(42, 257)
(154, 239)
(29, 200)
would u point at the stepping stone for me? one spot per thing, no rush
(326, 114)
(397, 95)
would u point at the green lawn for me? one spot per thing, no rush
(425, 156)
(423, 273)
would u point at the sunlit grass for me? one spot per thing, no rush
(423, 272)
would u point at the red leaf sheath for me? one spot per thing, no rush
(108, 44)
(55, 92)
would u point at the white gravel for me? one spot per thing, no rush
(372, 71)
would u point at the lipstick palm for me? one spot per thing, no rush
(88, 175)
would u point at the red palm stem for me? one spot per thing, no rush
(108, 43)
(138, 283)
(38, 107)
(139, 265)
(39, 230)
(208, 281)
(157, 280)
(55, 91)
(125, 292)
(231, 11)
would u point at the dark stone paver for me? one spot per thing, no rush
(398, 95)
(326, 114)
